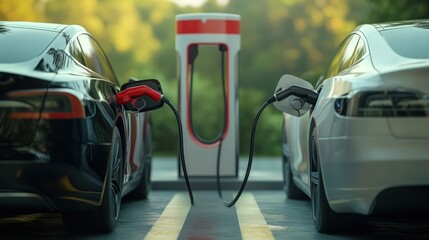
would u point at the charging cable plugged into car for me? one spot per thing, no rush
(284, 90)
(298, 103)
(199, 38)
(146, 95)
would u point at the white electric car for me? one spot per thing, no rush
(358, 144)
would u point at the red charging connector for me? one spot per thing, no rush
(132, 93)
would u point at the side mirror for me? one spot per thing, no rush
(294, 96)
(138, 98)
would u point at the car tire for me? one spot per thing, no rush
(105, 217)
(324, 218)
(143, 188)
(291, 190)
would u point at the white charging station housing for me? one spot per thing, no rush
(209, 29)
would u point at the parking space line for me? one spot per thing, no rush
(169, 224)
(252, 222)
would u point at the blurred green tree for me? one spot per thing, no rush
(394, 10)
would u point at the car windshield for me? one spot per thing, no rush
(410, 42)
(23, 44)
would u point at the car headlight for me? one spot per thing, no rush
(383, 103)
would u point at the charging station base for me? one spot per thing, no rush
(266, 175)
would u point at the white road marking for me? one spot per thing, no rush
(171, 221)
(252, 222)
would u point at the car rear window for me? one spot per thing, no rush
(23, 44)
(410, 42)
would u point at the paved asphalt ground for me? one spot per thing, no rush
(261, 213)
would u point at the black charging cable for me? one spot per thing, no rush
(193, 52)
(222, 48)
(181, 149)
(251, 151)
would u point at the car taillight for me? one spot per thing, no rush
(377, 103)
(54, 104)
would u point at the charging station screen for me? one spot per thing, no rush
(207, 91)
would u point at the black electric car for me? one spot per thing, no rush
(64, 145)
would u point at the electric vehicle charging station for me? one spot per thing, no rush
(194, 30)
(222, 31)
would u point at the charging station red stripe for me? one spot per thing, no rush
(208, 26)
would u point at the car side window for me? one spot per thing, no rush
(334, 63)
(360, 51)
(346, 59)
(95, 59)
(343, 56)
(76, 52)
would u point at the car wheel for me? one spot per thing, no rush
(289, 186)
(105, 217)
(292, 192)
(325, 220)
(323, 217)
(143, 188)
